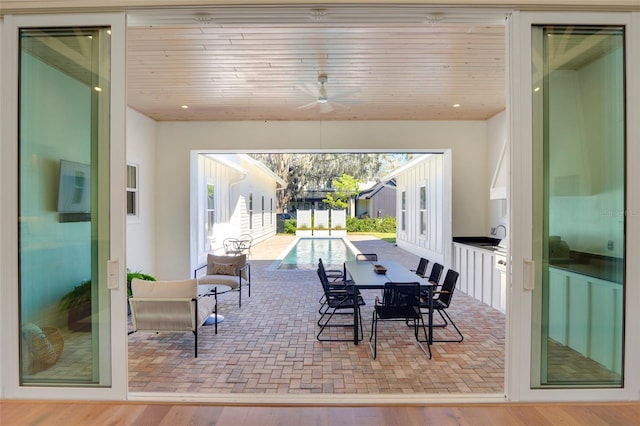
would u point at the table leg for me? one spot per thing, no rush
(356, 315)
(430, 293)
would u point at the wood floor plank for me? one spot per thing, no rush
(206, 415)
(528, 415)
(70, 413)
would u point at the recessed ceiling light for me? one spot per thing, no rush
(97, 89)
(537, 89)
(456, 105)
(318, 14)
(185, 107)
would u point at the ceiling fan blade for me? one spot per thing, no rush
(326, 107)
(309, 89)
(307, 106)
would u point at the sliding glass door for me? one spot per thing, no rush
(570, 204)
(70, 208)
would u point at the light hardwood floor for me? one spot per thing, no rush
(74, 413)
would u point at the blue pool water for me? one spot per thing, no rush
(306, 252)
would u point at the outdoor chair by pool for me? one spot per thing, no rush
(400, 302)
(334, 286)
(421, 270)
(170, 306)
(337, 280)
(239, 245)
(435, 274)
(363, 257)
(441, 301)
(232, 271)
(337, 301)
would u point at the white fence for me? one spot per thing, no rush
(325, 223)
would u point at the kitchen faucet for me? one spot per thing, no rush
(494, 231)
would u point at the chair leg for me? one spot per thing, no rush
(441, 312)
(326, 324)
(426, 337)
(374, 335)
(195, 339)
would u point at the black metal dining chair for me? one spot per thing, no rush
(441, 302)
(400, 302)
(363, 257)
(337, 301)
(421, 270)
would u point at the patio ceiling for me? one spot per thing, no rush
(263, 63)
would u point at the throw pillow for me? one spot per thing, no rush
(224, 269)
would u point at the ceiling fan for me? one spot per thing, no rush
(319, 92)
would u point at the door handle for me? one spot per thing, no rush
(113, 281)
(528, 279)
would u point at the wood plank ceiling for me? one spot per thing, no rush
(264, 63)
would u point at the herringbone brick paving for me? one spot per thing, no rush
(269, 345)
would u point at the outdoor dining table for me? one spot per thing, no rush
(364, 276)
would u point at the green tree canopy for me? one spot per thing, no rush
(316, 171)
(346, 188)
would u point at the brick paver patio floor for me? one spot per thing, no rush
(269, 345)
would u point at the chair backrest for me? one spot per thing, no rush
(245, 241)
(230, 245)
(164, 305)
(238, 261)
(421, 270)
(436, 273)
(400, 300)
(448, 286)
(324, 280)
(366, 256)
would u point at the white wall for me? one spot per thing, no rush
(233, 190)
(466, 139)
(141, 230)
(496, 137)
(431, 174)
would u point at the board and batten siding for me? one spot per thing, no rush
(430, 174)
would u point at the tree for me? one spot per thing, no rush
(280, 164)
(346, 188)
(304, 172)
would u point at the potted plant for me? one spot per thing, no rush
(77, 305)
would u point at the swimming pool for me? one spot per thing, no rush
(304, 253)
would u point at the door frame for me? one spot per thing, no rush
(520, 327)
(9, 330)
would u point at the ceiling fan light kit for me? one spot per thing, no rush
(322, 93)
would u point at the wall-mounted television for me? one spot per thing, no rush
(74, 192)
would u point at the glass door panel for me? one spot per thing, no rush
(579, 205)
(64, 104)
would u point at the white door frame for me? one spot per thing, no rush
(9, 331)
(519, 332)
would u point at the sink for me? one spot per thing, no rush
(486, 243)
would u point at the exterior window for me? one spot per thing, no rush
(403, 211)
(271, 211)
(263, 210)
(211, 211)
(132, 190)
(251, 211)
(423, 210)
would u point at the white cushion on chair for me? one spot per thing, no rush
(230, 280)
(169, 289)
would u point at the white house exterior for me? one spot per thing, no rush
(234, 195)
(423, 206)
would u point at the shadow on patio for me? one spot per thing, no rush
(269, 345)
